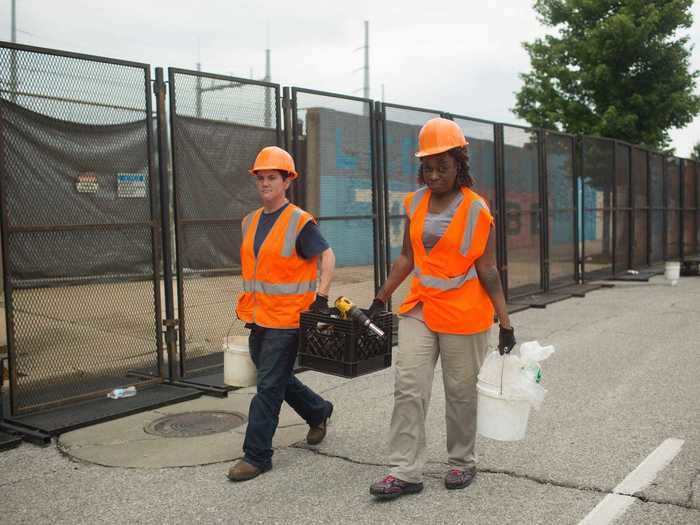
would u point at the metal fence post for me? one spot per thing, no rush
(155, 226)
(578, 212)
(544, 209)
(682, 172)
(630, 211)
(181, 314)
(7, 282)
(648, 202)
(501, 244)
(170, 323)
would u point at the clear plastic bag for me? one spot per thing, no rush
(516, 376)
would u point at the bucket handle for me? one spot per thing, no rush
(503, 362)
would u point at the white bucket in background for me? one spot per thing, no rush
(500, 418)
(673, 272)
(239, 369)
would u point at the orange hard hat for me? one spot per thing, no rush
(274, 158)
(439, 135)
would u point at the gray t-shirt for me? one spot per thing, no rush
(436, 223)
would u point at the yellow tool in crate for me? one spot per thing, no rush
(349, 310)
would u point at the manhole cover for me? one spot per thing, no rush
(192, 424)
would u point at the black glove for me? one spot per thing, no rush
(377, 307)
(320, 305)
(506, 339)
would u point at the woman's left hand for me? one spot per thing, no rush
(506, 339)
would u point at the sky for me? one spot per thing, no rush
(462, 57)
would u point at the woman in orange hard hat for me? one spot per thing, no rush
(449, 247)
(280, 251)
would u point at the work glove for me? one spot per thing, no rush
(376, 308)
(320, 305)
(506, 339)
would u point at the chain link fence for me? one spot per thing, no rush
(80, 206)
(79, 224)
(218, 126)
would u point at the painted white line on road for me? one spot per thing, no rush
(615, 504)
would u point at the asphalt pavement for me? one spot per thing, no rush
(623, 382)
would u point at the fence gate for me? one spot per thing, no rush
(597, 176)
(334, 143)
(657, 214)
(640, 208)
(523, 210)
(689, 209)
(674, 203)
(562, 227)
(621, 203)
(79, 226)
(218, 126)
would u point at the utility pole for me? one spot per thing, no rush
(199, 91)
(365, 87)
(13, 54)
(268, 94)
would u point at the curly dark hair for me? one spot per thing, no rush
(461, 156)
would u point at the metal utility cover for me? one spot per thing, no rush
(193, 424)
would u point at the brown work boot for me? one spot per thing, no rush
(459, 478)
(316, 434)
(243, 471)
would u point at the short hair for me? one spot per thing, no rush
(461, 156)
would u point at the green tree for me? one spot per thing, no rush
(695, 154)
(616, 68)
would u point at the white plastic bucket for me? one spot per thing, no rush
(673, 272)
(500, 418)
(239, 369)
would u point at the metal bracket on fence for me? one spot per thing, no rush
(171, 326)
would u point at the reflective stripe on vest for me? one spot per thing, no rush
(445, 284)
(415, 201)
(246, 223)
(290, 236)
(279, 289)
(474, 209)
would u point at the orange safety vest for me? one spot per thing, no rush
(278, 284)
(445, 280)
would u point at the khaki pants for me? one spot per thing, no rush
(461, 357)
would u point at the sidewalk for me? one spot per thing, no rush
(623, 380)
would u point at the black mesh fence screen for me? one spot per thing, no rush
(622, 208)
(597, 177)
(689, 208)
(77, 207)
(656, 211)
(218, 126)
(523, 210)
(482, 158)
(640, 205)
(561, 209)
(333, 137)
(672, 184)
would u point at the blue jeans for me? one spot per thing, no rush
(274, 351)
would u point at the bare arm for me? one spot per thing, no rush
(401, 268)
(326, 268)
(491, 280)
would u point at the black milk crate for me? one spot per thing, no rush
(344, 347)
